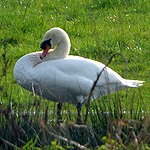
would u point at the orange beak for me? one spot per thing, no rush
(45, 52)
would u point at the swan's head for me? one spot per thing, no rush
(54, 37)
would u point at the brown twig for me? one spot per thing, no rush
(70, 142)
(61, 138)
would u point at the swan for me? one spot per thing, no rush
(57, 76)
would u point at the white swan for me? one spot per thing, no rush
(59, 77)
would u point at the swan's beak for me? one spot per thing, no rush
(45, 52)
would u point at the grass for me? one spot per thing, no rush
(97, 30)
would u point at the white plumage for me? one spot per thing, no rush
(60, 77)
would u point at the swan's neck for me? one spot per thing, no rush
(61, 51)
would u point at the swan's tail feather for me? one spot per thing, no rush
(134, 83)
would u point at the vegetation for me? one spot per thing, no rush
(97, 29)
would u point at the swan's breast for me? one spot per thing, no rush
(23, 69)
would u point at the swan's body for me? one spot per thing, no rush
(60, 77)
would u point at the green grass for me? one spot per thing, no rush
(97, 30)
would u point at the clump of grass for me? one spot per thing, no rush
(23, 127)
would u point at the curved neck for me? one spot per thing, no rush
(61, 51)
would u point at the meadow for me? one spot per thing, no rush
(97, 30)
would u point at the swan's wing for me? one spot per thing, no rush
(56, 85)
(71, 79)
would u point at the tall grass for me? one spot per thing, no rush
(110, 123)
(97, 30)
